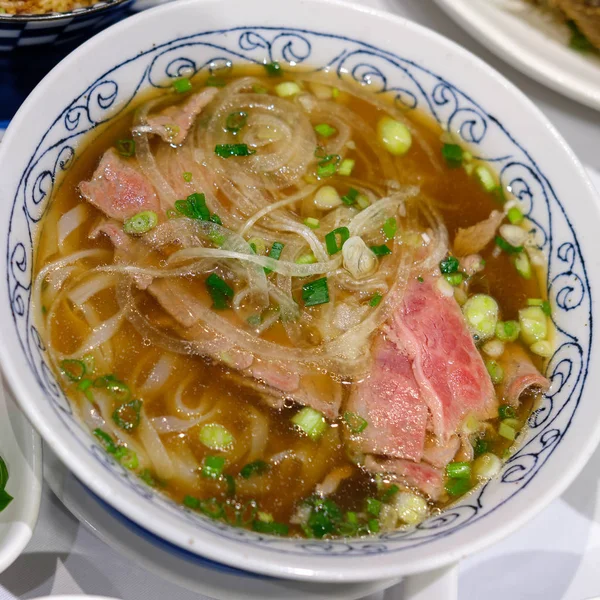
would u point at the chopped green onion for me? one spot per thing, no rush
(141, 223)
(335, 93)
(373, 506)
(125, 148)
(214, 81)
(324, 518)
(183, 85)
(453, 154)
(382, 250)
(220, 291)
(213, 466)
(350, 197)
(346, 167)
(259, 89)
(508, 248)
(495, 370)
(328, 165)
(506, 412)
(331, 240)
(106, 440)
(487, 466)
(454, 279)
(172, 213)
(481, 447)
(485, 178)
(127, 416)
(327, 197)
(394, 136)
(362, 202)
(373, 525)
(316, 292)
(523, 265)
(390, 227)
(230, 481)
(449, 265)
(506, 431)
(216, 219)
(72, 369)
(390, 493)
(578, 40)
(420, 279)
(311, 422)
(258, 467)
(216, 437)
(211, 508)
(457, 487)
(542, 348)
(127, 457)
(325, 130)
(258, 245)
(229, 150)
(187, 176)
(287, 89)
(534, 324)
(306, 259)
(458, 470)
(375, 300)
(515, 216)
(193, 207)
(507, 331)
(270, 528)
(85, 386)
(481, 314)
(312, 223)
(543, 304)
(273, 69)
(191, 502)
(355, 422)
(117, 388)
(147, 478)
(236, 120)
(275, 253)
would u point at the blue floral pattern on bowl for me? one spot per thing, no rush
(413, 87)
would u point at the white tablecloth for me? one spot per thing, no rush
(555, 557)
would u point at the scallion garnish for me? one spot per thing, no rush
(127, 416)
(328, 165)
(506, 412)
(140, 223)
(85, 386)
(274, 253)
(258, 467)
(351, 197)
(454, 279)
(449, 265)
(236, 120)
(187, 176)
(312, 222)
(390, 227)
(508, 248)
(457, 487)
(382, 250)
(390, 493)
(270, 527)
(193, 207)
(183, 85)
(515, 216)
(216, 219)
(458, 470)
(127, 457)
(453, 154)
(273, 69)
(346, 167)
(375, 300)
(311, 422)
(191, 502)
(373, 506)
(214, 81)
(220, 291)
(507, 331)
(355, 422)
(216, 437)
(229, 150)
(316, 292)
(211, 508)
(106, 440)
(331, 239)
(212, 467)
(117, 388)
(125, 148)
(325, 130)
(481, 447)
(74, 370)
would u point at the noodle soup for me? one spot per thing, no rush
(292, 306)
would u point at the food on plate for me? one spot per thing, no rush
(292, 305)
(5, 497)
(36, 7)
(581, 16)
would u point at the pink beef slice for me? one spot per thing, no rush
(390, 401)
(520, 375)
(426, 478)
(429, 327)
(118, 189)
(174, 122)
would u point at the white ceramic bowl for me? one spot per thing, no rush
(424, 70)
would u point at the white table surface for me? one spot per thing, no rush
(555, 557)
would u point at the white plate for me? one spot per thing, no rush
(535, 48)
(21, 449)
(177, 566)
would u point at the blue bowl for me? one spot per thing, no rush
(22, 31)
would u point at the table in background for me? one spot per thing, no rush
(555, 557)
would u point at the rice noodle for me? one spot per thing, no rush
(70, 221)
(159, 375)
(100, 334)
(81, 294)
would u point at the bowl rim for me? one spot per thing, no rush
(57, 16)
(550, 492)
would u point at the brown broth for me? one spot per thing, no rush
(460, 200)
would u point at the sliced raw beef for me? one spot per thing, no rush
(389, 400)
